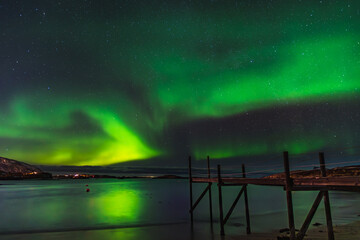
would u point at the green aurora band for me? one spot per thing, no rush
(125, 76)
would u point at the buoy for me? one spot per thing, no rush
(87, 190)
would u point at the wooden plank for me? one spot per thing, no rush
(328, 181)
(326, 188)
(297, 182)
(242, 181)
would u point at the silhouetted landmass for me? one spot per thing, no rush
(169, 177)
(87, 176)
(117, 170)
(12, 169)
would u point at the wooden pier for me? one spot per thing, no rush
(322, 184)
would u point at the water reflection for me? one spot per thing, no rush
(49, 206)
(117, 205)
(65, 205)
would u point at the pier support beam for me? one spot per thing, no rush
(199, 199)
(209, 184)
(247, 214)
(289, 196)
(222, 231)
(326, 199)
(233, 205)
(310, 216)
(323, 185)
(191, 193)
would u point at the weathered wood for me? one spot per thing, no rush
(328, 216)
(326, 188)
(322, 164)
(312, 184)
(191, 193)
(210, 198)
(242, 181)
(322, 184)
(200, 197)
(310, 216)
(326, 200)
(288, 185)
(222, 231)
(328, 181)
(247, 214)
(233, 205)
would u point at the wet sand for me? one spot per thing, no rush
(341, 232)
(180, 232)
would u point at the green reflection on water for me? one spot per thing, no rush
(119, 205)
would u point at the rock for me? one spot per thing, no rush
(283, 238)
(284, 230)
(317, 224)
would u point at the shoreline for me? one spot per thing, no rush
(342, 232)
(88, 176)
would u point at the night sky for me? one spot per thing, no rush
(104, 82)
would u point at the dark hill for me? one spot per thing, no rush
(12, 169)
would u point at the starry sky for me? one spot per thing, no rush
(105, 82)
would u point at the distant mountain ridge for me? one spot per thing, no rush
(13, 169)
(13, 166)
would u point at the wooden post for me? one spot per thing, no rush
(210, 201)
(289, 196)
(222, 232)
(248, 229)
(191, 193)
(326, 199)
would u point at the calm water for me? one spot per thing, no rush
(126, 206)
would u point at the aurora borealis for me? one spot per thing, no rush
(106, 82)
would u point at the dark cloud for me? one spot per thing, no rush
(333, 121)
